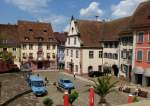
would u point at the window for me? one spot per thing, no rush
(48, 55)
(115, 56)
(75, 40)
(30, 30)
(71, 53)
(24, 55)
(149, 36)
(68, 41)
(105, 55)
(72, 29)
(67, 52)
(31, 55)
(99, 68)
(91, 54)
(140, 37)
(76, 68)
(124, 54)
(148, 55)
(139, 55)
(26, 38)
(50, 39)
(53, 55)
(30, 46)
(48, 47)
(24, 46)
(77, 54)
(45, 31)
(100, 54)
(54, 46)
(14, 49)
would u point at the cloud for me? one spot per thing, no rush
(92, 10)
(31, 6)
(66, 29)
(58, 21)
(125, 8)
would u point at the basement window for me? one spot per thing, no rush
(45, 31)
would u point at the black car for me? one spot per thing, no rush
(95, 73)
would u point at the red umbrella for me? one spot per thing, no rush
(66, 98)
(91, 96)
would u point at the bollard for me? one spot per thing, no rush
(66, 98)
(91, 96)
(130, 98)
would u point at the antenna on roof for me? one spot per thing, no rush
(96, 17)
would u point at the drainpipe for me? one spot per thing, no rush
(0, 88)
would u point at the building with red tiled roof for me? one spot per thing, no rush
(82, 48)
(32, 42)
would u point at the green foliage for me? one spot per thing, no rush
(136, 99)
(48, 102)
(73, 96)
(103, 86)
(6, 56)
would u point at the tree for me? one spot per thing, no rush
(48, 102)
(73, 96)
(103, 86)
(7, 57)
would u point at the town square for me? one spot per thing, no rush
(75, 53)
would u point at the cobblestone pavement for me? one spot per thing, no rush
(114, 99)
(14, 84)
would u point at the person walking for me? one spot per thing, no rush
(74, 75)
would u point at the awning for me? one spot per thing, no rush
(138, 70)
(147, 72)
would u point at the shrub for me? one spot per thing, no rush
(48, 102)
(73, 96)
(136, 99)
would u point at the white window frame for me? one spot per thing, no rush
(137, 54)
(137, 40)
(147, 55)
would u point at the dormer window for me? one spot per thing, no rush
(50, 39)
(44, 30)
(30, 30)
(26, 38)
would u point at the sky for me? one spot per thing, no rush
(59, 12)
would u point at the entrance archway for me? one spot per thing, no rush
(90, 68)
(115, 69)
(40, 65)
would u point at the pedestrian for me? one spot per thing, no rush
(74, 75)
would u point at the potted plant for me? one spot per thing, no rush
(72, 97)
(103, 86)
(48, 102)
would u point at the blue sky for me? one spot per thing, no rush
(58, 12)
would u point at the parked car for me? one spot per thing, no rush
(37, 85)
(65, 84)
(95, 73)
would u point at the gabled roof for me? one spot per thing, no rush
(60, 37)
(112, 29)
(141, 17)
(89, 32)
(8, 35)
(34, 30)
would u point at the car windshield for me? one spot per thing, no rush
(37, 83)
(67, 81)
